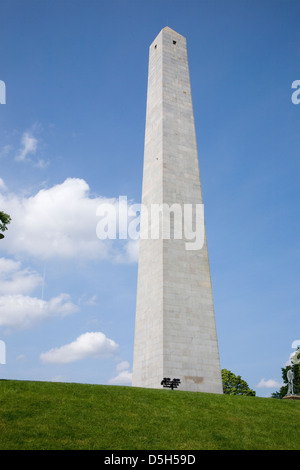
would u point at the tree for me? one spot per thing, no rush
(234, 385)
(4, 221)
(296, 369)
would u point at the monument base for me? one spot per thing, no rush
(291, 397)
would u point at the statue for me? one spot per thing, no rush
(290, 377)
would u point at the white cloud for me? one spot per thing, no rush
(21, 358)
(22, 311)
(92, 300)
(122, 366)
(124, 376)
(8, 265)
(5, 150)
(14, 280)
(91, 344)
(61, 222)
(29, 146)
(132, 251)
(270, 383)
(2, 185)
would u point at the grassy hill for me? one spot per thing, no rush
(46, 415)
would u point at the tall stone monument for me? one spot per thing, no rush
(175, 331)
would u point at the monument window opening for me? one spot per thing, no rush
(155, 46)
(174, 42)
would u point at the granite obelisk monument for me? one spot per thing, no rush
(175, 330)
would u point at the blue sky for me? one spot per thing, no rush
(72, 136)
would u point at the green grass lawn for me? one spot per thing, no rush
(46, 415)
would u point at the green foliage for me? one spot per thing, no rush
(4, 221)
(58, 416)
(234, 385)
(296, 369)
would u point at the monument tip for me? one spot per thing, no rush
(167, 28)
